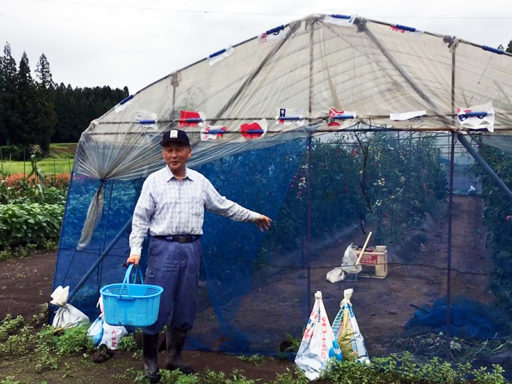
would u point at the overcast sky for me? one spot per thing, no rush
(136, 42)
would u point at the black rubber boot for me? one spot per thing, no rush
(175, 340)
(150, 352)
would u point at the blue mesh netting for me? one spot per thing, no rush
(230, 249)
(257, 288)
(73, 264)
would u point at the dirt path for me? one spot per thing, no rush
(25, 284)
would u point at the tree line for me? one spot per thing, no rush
(39, 111)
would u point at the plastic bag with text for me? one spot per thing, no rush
(318, 344)
(103, 333)
(112, 334)
(346, 331)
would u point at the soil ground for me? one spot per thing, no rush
(25, 284)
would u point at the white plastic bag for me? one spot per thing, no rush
(112, 334)
(349, 261)
(318, 344)
(348, 264)
(60, 296)
(68, 316)
(95, 331)
(335, 275)
(346, 331)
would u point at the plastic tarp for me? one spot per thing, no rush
(252, 111)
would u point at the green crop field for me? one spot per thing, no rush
(59, 161)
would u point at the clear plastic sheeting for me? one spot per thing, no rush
(118, 154)
(368, 67)
(299, 128)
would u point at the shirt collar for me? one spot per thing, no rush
(170, 175)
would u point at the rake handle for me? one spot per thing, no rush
(364, 247)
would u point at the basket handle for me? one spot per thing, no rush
(138, 273)
(126, 280)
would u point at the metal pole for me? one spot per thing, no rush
(308, 242)
(450, 211)
(310, 106)
(449, 256)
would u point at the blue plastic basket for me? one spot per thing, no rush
(131, 303)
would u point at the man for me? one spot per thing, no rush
(171, 206)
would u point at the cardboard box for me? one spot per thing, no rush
(374, 263)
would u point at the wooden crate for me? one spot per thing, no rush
(374, 263)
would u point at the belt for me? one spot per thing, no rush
(180, 238)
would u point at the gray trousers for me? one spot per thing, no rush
(175, 267)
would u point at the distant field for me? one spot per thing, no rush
(60, 161)
(63, 150)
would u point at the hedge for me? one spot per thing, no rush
(29, 223)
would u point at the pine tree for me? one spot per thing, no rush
(43, 73)
(47, 117)
(35, 114)
(24, 106)
(8, 64)
(7, 95)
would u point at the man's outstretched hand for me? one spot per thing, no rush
(263, 222)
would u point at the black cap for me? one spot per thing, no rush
(175, 136)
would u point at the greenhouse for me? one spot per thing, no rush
(337, 127)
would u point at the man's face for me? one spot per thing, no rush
(176, 156)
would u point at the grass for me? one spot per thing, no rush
(48, 166)
(59, 161)
(34, 352)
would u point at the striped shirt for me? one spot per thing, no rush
(168, 206)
